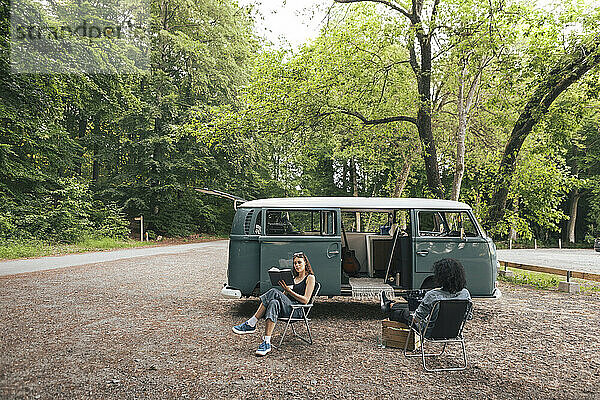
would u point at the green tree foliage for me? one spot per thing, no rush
(198, 58)
(298, 111)
(74, 146)
(348, 113)
(556, 60)
(572, 126)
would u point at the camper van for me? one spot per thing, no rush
(358, 246)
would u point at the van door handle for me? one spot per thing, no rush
(333, 250)
(423, 253)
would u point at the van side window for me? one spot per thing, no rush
(445, 223)
(431, 223)
(301, 222)
(367, 221)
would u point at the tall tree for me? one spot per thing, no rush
(571, 66)
(199, 56)
(422, 22)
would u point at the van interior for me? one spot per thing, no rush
(381, 243)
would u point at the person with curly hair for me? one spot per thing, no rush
(275, 303)
(450, 275)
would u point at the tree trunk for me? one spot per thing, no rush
(575, 195)
(95, 167)
(512, 235)
(353, 174)
(464, 103)
(567, 71)
(402, 178)
(424, 120)
(461, 135)
(81, 130)
(95, 161)
(345, 177)
(353, 179)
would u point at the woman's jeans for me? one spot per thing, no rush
(277, 305)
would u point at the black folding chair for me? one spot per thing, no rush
(292, 319)
(444, 324)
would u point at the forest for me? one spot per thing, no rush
(495, 104)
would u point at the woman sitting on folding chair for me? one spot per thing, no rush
(450, 275)
(275, 304)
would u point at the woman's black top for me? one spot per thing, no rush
(300, 288)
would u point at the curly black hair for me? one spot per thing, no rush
(449, 274)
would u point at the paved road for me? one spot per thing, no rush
(51, 262)
(582, 260)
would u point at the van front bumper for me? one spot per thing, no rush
(230, 293)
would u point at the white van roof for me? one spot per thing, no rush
(356, 203)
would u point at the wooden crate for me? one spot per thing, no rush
(393, 334)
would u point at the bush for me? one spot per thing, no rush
(65, 215)
(184, 215)
(109, 221)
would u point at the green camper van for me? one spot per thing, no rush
(392, 243)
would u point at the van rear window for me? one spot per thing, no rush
(301, 222)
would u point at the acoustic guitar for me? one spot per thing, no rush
(350, 263)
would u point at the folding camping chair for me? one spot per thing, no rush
(446, 322)
(292, 319)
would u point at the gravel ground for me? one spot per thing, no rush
(155, 327)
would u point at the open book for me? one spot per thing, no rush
(277, 275)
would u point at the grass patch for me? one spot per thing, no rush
(540, 280)
(545, 281)
(550, 244)
(34, 248)
(108, 243)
